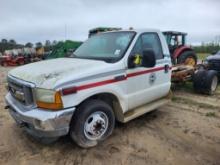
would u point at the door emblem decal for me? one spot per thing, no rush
(152, 78)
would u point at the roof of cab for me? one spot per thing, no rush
(135, 30)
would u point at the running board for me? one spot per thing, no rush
(144, 109)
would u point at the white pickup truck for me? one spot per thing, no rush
(113, 76)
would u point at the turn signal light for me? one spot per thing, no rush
(57, 105)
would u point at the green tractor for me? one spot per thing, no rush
(63, 49)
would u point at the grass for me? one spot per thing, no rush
(187, 86)
(202, 56)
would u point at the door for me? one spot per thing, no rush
(148, 84)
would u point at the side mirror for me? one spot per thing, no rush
(148, 58)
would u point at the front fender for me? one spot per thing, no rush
(117, 89)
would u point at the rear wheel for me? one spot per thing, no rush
(212, 82)
(93, 122)
(205, 81)
(187, 58)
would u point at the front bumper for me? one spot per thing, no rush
(39, 122)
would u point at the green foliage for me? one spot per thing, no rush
(38, 45)
(202, 56)
(7, 45)
(207, 48)
(29, 45)
(48, 45)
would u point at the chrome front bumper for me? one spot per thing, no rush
(39, 122)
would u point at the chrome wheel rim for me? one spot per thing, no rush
(214, 83)
(96, 125)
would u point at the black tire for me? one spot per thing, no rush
(199, 80)
(82, 115)
(182, 59)
(211, 82)
(205, 81)
(201, 67)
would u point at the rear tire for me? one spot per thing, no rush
(211, 82)
(187, 58)
(205, 82)
(92, 123)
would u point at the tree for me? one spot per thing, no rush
(54, 42)
(12, 42)
(48, 46)
(29, 45)
(47, 43)
(4, 41)
(39, 45)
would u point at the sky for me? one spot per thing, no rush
(40, 20)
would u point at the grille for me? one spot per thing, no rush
(214, 65)
(21, 90)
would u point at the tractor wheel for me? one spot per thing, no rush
(187, 58)
(205, 81)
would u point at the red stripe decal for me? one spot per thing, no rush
(82, 87)
(100, 83)
(145, 72)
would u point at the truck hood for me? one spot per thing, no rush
(47, 74)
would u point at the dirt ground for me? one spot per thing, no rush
(186, 131)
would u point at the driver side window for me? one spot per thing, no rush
(148, 41)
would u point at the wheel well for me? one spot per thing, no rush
(111, 100)
(181, 50)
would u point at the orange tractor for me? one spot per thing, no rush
(12, 60)
(180, 53)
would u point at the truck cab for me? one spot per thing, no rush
(113, 76)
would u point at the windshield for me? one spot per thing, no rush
(109, 47)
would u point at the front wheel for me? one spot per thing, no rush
(93, 122)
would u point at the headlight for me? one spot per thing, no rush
(48, 99)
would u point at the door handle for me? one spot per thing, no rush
(166, 68)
